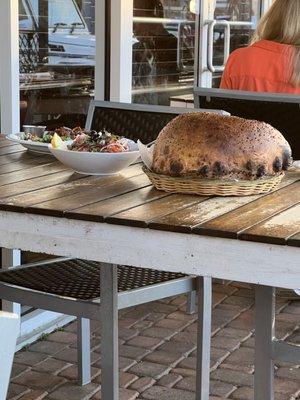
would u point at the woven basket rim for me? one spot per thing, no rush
(215, 182)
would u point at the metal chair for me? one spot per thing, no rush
(72, 287)
(280, 110)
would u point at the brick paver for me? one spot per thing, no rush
(158, 353)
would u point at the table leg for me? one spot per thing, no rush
(109, 332)
(10, 258)
(191, 302)
(264, 337)
(204, 335)
(84, 351)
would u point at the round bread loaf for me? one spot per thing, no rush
(213, 146)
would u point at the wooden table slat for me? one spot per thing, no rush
(18, 157)
(36, 183)
(193, 217)
(81, 183)
(31, 173)
(188, 218)
(6, 143)
(26, 163)
(144, 214)
(58, 207)
(231, 224)
(11, 149)
(100, 210)
(276, 229)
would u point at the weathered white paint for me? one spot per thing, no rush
(121, 50)
(9, 71)
(9, 329)
(258, 263)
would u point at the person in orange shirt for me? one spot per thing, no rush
(272, 62)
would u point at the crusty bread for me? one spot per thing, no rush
(213, 146)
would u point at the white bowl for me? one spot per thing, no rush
(96, 163)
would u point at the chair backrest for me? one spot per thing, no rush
(280, 110)
(135, 121)
(9, 330)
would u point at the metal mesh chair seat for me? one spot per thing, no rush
(80, 279)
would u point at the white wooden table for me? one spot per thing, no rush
(123, 220)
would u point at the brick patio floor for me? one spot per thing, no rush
(158, 353)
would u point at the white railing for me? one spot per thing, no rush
(150, 20)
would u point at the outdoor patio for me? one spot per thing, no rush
(158, 353)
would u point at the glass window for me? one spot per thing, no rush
(243, 16)
(62, 13)
(163, 50)
(164, 44)
(56, 65)
(25, 18)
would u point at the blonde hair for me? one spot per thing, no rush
(281, 24)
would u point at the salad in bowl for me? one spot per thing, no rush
(66, 134)
(95, 153)
(99, 142)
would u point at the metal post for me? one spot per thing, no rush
(191, 302)
(84, 351)
(109, 332)
(204, 335)
(264, 336)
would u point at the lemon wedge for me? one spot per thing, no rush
(57, 142)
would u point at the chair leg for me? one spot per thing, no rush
(191, 302)
(84, 351)
(264, 337)
(204, 337)
(109, 332)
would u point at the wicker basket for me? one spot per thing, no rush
(213, 187)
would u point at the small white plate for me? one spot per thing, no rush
(88, 163)
(29, 144)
